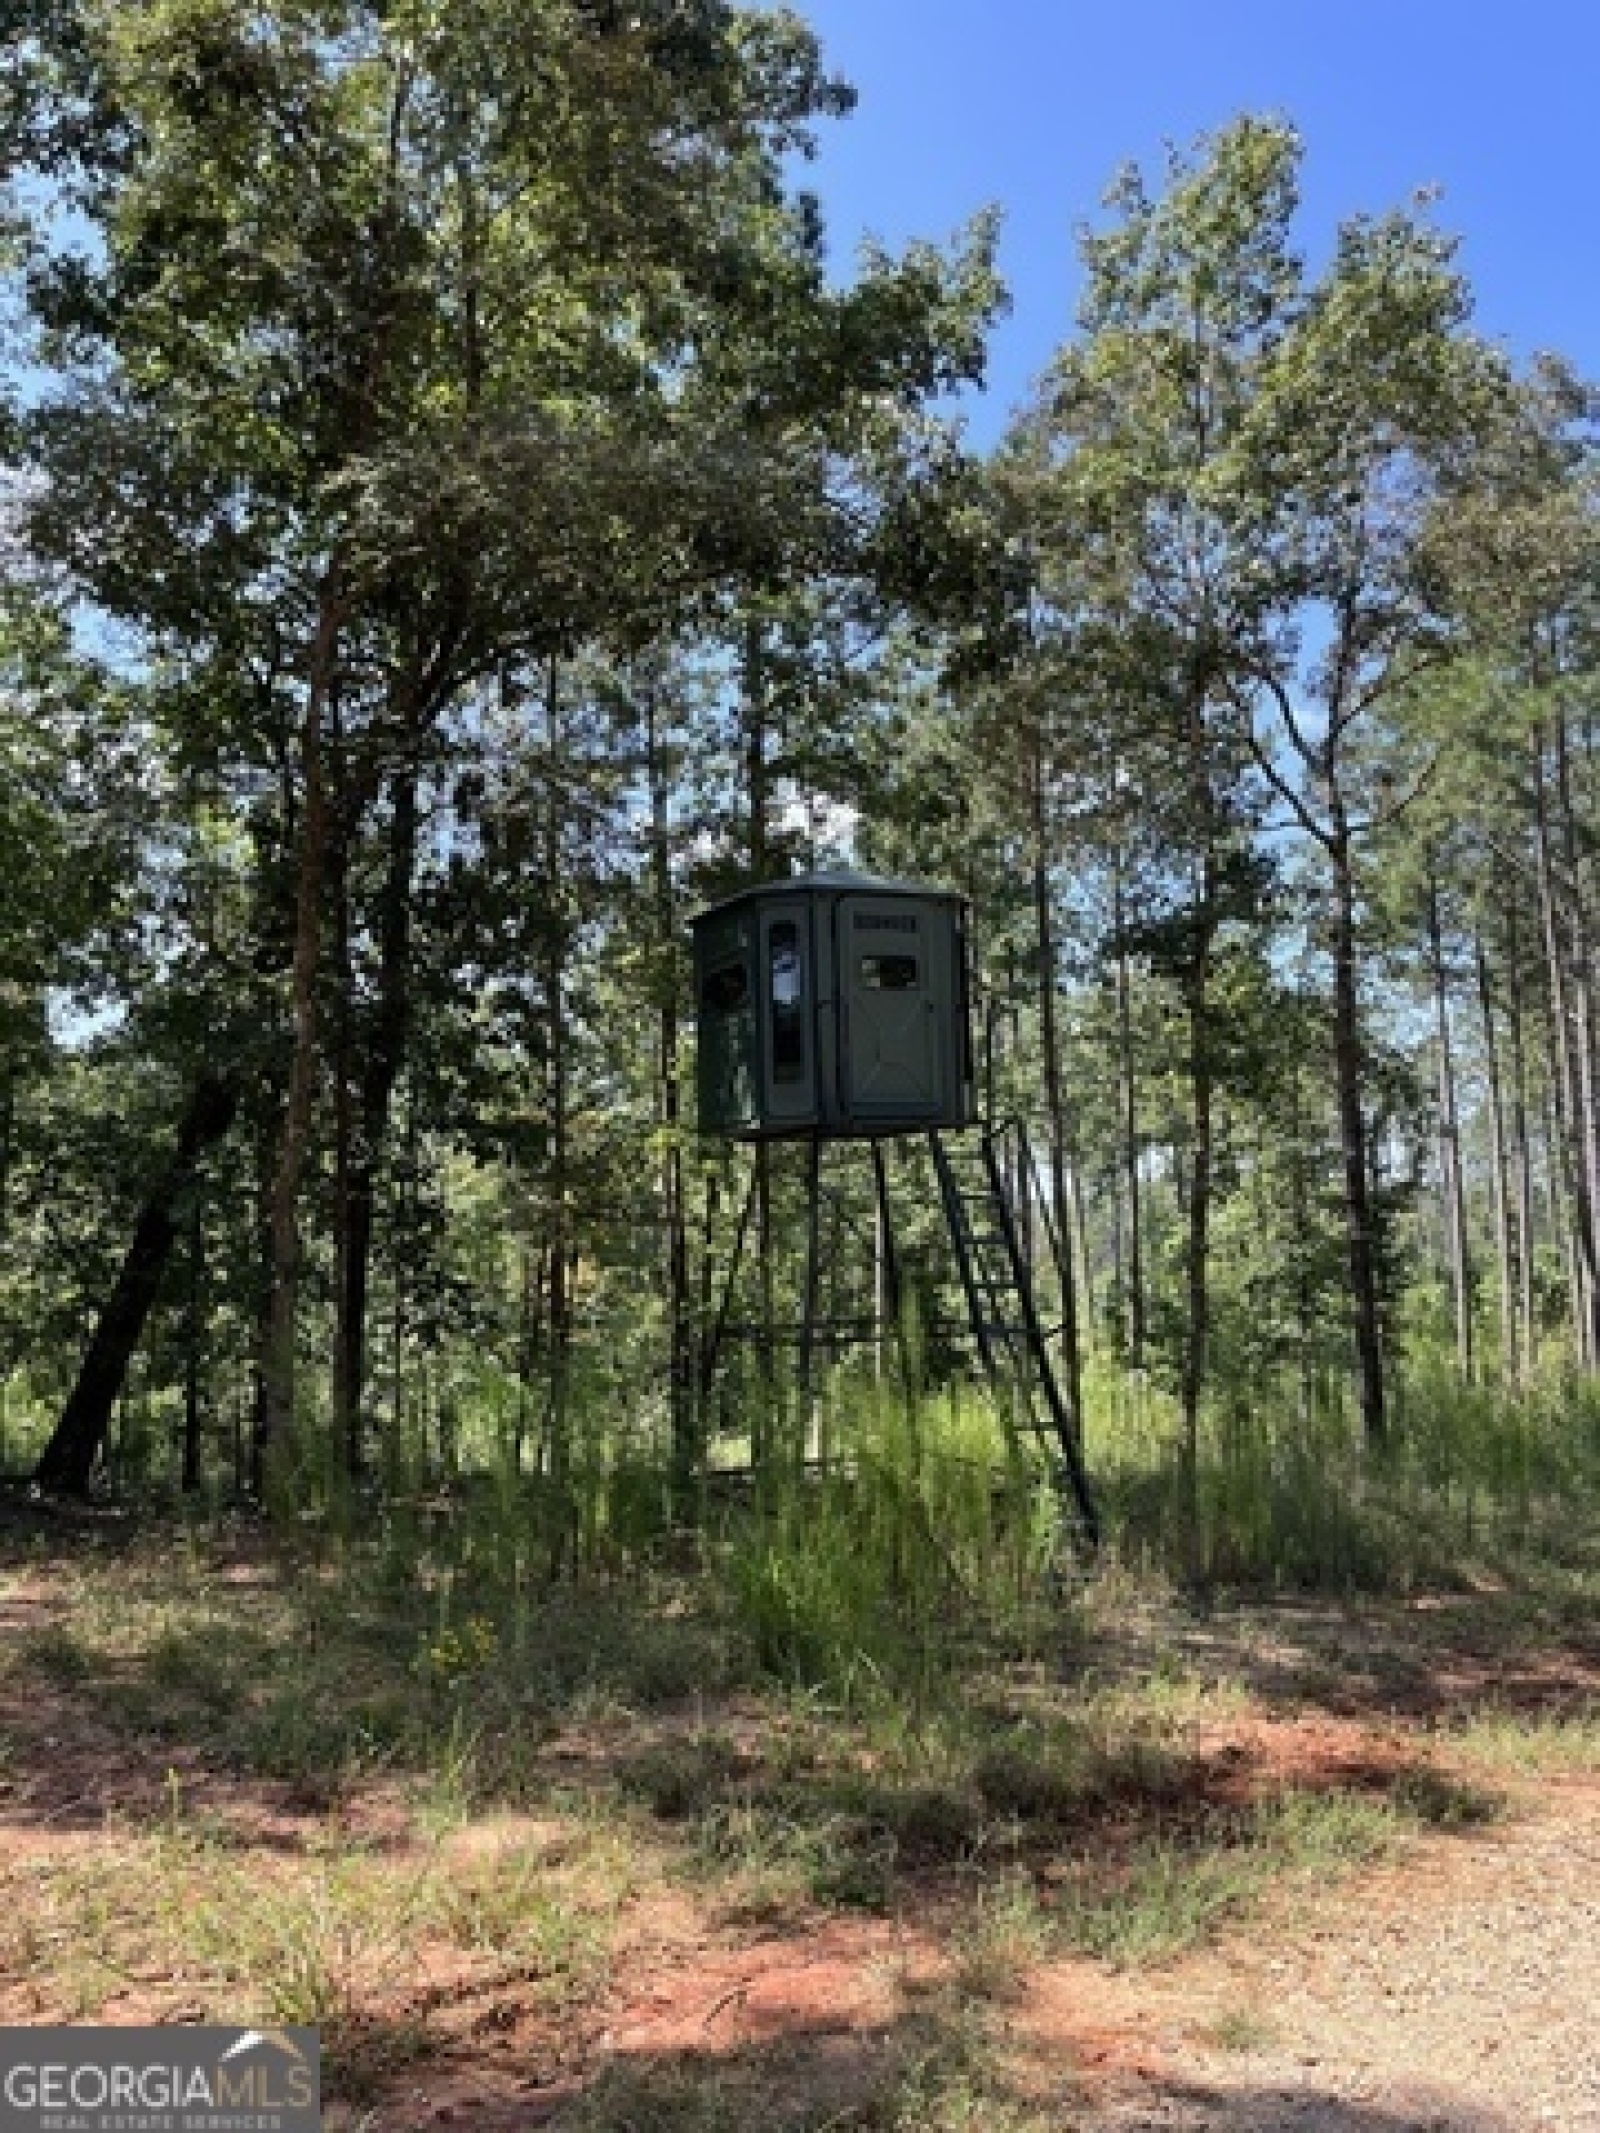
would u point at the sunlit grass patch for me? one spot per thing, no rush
(534, 1925)
(207, 1925)
(950, 2078)
(1237, 2029)
(1005, 1932)
(1164, 1899)
(1555, 1743)
(82, 1922)
(1171, 1893)
(301, 1953)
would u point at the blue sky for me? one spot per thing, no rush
(1032, 104)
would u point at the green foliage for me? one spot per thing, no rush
(1289, 1496)
(853, 1578)
(487, 355)
(1170, 1896)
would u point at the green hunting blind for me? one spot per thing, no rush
(837, 1008)
(833, 1007)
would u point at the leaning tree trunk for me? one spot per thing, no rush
(68, 1459)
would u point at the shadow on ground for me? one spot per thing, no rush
(923, 2074)
(1193, 2107)
(1530, 1649)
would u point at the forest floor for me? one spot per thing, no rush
(1329, 1865)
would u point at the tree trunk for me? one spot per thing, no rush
(399, 1461)
(1129, 1092)
(707, 1330)
(193, 1352)
(1586, 1079)
(8, 1134)
(1197, 1251)
(1055, 1100)
(530, 1341)
(1557, 1196)
(1522, 1145)
(1089, 1322)
(1566, 1092)
(1505, 1249)
(682, 1406)
(1196, 988)
(758, 795)
(345, 1411)
(1451, 1183)
(68, 1459)
(380, 1074)
(1300, 1204)
(1349, 1064)
(277, 1418)
(558, 1421)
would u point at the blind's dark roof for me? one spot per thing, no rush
(841, 880)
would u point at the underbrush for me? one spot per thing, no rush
(371, 1769)
(877, 1517)
(651, 1713)
(1474, 1479)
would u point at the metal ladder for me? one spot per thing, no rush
(1003, 1311)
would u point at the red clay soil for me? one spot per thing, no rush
(1455, 1991)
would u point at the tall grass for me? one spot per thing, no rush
(924, 1518)
(1290, 1495)
(880, 1520)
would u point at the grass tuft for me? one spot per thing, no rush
(1549, 1744)
(1237, 2029)
(1170, 1894)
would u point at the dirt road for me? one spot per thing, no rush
(1459, 1991)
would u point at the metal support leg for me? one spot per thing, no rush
(710, 1353)
(891, 1304)
(808, 1307)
